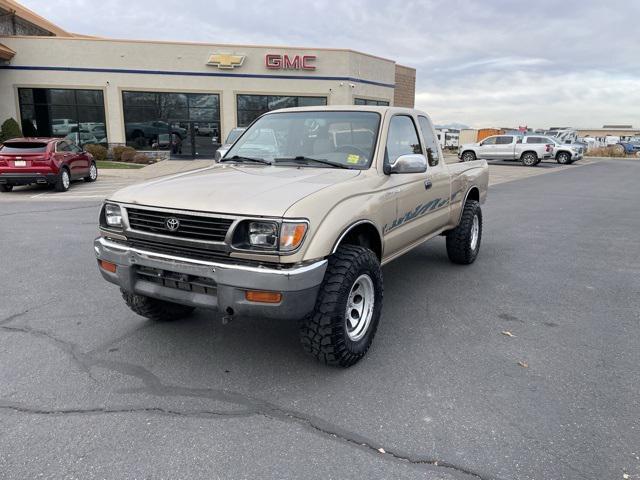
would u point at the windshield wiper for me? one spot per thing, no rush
(301, 158)
(238, 158)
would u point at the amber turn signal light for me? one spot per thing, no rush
(108, 266)
(263, 297)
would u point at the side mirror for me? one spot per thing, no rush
(412, 163)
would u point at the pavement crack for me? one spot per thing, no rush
(152, 385)
(21, 408)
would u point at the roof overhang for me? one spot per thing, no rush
(6, 53)
(32, 17)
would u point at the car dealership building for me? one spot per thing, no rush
(141, 92)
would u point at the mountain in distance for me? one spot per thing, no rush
(454, 125)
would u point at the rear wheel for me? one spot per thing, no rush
(463, 242)
(6, 188)
(468, 156)
(343, 323)
(155, 309)
(93, 173)
(64, 181)
(563, 158)
(529, 159)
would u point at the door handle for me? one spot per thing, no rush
(427, 184)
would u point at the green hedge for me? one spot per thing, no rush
(10, 129)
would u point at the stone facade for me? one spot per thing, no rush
(405, 91)
(11, 24)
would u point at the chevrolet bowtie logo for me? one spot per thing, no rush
(225, 60)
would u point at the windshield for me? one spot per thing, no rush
(234, 134)
(23, 147)
(345, 139)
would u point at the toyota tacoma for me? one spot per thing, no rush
(295, 222)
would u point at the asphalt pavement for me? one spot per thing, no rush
(523, 365)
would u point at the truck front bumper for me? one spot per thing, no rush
(200, 283)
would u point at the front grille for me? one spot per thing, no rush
(179, 281)
(194, 252)
(179, 250)
(191, 226)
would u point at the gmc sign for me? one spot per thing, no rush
(285, 62)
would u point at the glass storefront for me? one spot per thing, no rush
(251, 107)
(366, 101)
(184, 123)
(77, 115)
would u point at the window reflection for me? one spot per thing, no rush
(151, 118)
(251, 107)
(72, 113)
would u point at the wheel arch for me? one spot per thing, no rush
(363, 233)
(473, 193)
(529, 151)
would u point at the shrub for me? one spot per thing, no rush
(117, 152)
(98, 151)
(10, 129)
(611, 151)
(128, 155)
(142, 159)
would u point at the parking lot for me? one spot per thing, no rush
(523, 365)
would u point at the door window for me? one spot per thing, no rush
(402, 138)
(431, 146)
(489, 141)
(504, 140)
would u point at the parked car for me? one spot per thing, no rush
(51, 161)
(506, 147)
(234, 134)
(149, 131)
(62, 126)
(630, 147)
(563, 153)
(82, 138)
(299, 233)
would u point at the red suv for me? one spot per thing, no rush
(51, 161)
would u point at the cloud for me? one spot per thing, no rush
(492, 62)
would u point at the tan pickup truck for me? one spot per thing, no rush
(295, 221)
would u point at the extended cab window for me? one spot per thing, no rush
(431, 146)
(402, 138)
(504, 140)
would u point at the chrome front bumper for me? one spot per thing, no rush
(299, 285)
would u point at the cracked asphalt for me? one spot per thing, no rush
(90, 390)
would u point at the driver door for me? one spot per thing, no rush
(410, 189)
(487, 148)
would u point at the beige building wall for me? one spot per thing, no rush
(117, 65)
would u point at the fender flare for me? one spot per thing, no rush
(351, 226)
(466, 195)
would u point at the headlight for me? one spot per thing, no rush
(269, 236)
(291, 235)
(113, 215)
(263, 234)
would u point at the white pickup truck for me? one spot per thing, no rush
(506, 147)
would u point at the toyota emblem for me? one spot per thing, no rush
(172, 224)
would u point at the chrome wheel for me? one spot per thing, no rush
(93, 172)
(359, 310)
(66, 181)
(475, 232)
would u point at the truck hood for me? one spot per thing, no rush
(255, 190)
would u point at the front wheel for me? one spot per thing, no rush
(6, 188)
(463, 242)
(93, 173)
(340, 329)
(155, 309)
(563, 158)
(468, 156)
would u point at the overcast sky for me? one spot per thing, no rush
(490, 63)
